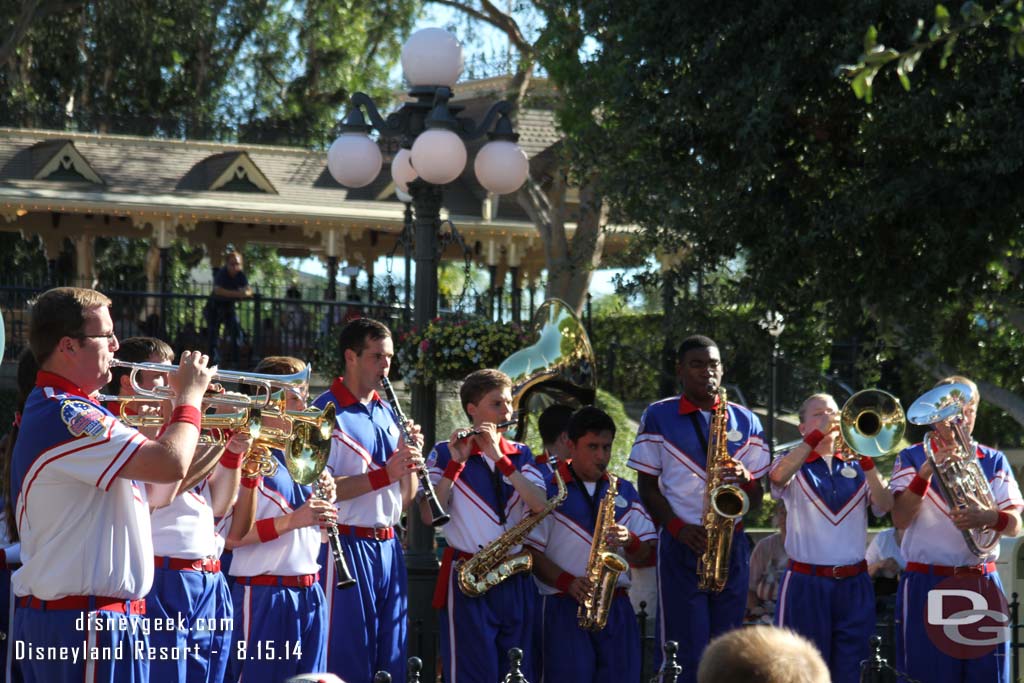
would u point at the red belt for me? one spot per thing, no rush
(85, 602)
(304, 581)
(943, 570)
(374, 533)
(206, 564)
(448, 558)
(844, 571)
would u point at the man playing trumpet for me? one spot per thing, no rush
(826, 593)
(938, 557)
(87, 550)
(561, 546)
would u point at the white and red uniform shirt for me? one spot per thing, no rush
(365, 436)
(185, 528)
(483, 504)
(669, 447)
(84, 530)
(826, 512)
(932, 538)
(291, 554)
(567, 534)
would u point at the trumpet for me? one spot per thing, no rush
(266, 385)
(242, 418)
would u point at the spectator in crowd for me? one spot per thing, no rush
(762, 654)
(883, 556)
(767, 564)
(229, 285)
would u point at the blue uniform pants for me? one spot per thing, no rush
(611, 655)
(202, 601)
(279, 632)
(918, 657)
(692, 617)
(367, 621)
(837, 615)
(477, 633)
(116, 646)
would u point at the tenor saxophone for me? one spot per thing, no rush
(603, 566)
(723, 504)
(493, 564)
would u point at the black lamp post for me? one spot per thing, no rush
(432, 155)
(773, 324)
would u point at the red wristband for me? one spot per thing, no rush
(675, 526)
(379, 478)
(919, 485)
(814, 438)
(231, 460)
(505, 466)
(453, 470)
(634, 543)
(189, 414)
(1004, 519)
(866, 463)
(252, 482)
(563, 581)
(266, 530)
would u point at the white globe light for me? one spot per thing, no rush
(354, 160)
(432, 56)
(402, 171)
(403, 197)
(438, 156)
(501, 166)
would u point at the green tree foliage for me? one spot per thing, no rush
(255, 70)
(724, 131)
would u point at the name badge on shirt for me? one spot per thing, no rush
(621, 502)
(81, 417)
(393, 430)
(848, 471)
(734, 435)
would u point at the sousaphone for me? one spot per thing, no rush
(558, 368)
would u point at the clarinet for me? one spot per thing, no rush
(341, 570)
(437, 513)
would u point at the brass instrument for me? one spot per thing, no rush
(723, 503)
(492, 564)
(872, 423)
(959, 477)
(297, 383)
(438, 517)
(305, 427)
(559, 367)
(305, 460)
(242, 418)
(603, 566)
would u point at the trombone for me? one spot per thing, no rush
(871, 424)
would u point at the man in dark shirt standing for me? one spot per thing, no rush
(229, 285)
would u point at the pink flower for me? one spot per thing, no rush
(424, 345)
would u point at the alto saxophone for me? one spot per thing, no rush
(723, 504)
(603, 567)
(493, 564)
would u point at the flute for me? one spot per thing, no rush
(437, 513)
(466, 433)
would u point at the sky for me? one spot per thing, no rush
(489, 41)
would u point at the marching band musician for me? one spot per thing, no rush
(936, 552)
(280, 607)
(487, 484)
(374, 470)
(84, 522)
(561, 550)
(670, 456)
(552, 424)
(188, 586)
(826, 593)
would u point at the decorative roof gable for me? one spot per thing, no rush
(60, 160)
(227, 172)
